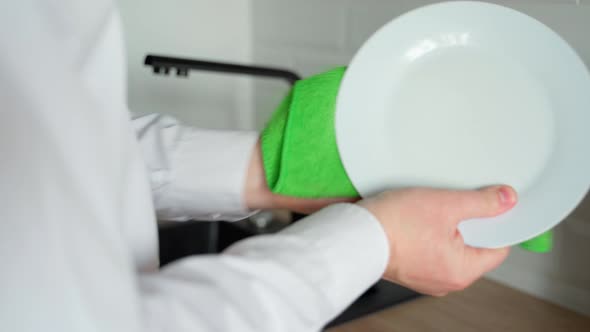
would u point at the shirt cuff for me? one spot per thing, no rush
(207, 176)
(353, 246)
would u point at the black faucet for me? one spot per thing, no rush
(163, 64)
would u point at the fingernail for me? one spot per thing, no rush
(505, 196)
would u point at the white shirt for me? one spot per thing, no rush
(78, 244)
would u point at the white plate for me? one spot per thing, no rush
(464, 95)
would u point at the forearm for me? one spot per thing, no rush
(208, 174)
(296, 280)
(195, 173)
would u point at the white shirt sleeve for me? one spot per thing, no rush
(195, 173)
(76, 222)
(297, 280)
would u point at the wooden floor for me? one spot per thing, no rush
(485, 306)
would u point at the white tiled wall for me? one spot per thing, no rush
(310, 36)
(202, 29)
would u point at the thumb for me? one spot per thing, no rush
(485, 202)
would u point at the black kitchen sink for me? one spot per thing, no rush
(182, 239)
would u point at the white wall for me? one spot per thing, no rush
(203, 29)
(310, 36)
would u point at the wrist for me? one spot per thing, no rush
(257, 195)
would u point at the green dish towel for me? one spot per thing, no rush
(542, 243)
(299, 149)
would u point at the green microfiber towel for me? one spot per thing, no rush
(299, 150)
(542, 243)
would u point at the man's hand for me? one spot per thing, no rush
(258, 195)
(427, 252)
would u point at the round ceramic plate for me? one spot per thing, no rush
(465, 95)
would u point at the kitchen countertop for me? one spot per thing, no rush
(485, 306)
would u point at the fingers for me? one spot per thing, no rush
(485, 202)
(478, 261)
